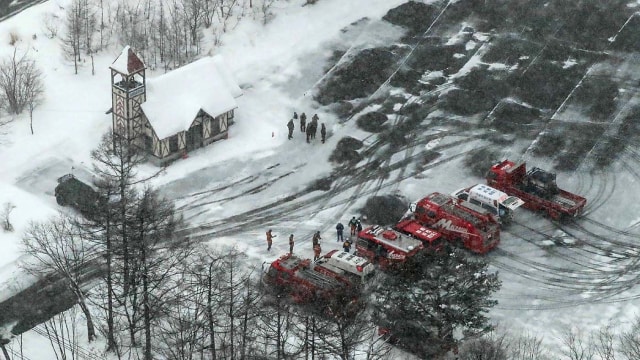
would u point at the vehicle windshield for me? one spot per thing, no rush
(512, 202)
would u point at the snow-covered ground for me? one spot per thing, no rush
(217, 187)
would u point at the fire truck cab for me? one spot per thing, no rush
(357, 269)
(385, 246)
(498, 203)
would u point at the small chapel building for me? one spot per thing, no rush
(176, 112)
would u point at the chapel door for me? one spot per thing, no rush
(194, 137)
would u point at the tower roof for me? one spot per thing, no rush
(127, 62)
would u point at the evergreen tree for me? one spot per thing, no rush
(435, 300)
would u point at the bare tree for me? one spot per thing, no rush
(51, 24)
(603, 342)
(487, 347)
(156, 256)
(62, 331)
(630, 341)
(527, 347)
(576, 348)
(7, 208)
(61, 247)
(21, 83)
(345, 323)
(73, 32)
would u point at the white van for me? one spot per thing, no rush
(492, 200)
(346, 264)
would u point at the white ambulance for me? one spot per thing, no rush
(492, 200)
(345, 264)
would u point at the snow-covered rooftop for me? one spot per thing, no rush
(174, 99)
(127, 62)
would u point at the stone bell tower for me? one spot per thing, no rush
(128, 92)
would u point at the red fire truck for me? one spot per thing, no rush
(386, 246)
(537, 188)
(458, 221)
(306, 281)
(297, 277)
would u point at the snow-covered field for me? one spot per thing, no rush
(547, 287)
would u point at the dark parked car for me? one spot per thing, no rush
(80, 196)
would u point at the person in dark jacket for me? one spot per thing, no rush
(291, 126)
(339, 229)
(323, 132)
(358, 225)
(353, 224)
(314, 128)
(308, 133)
(295, 115)
(291, 242)
(303, 122)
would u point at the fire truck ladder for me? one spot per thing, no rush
(320, 280)
(454, 210)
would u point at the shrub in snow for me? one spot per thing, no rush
(436, 57)
(607, 151)
(545, 85)
(385, 210)
(345, 151)
(358, 78)
(577, 147)
(372, 121)
(342, 109)
(548, 144)
(408, 80)
(510, 116)
(485, 348)
(323, 184)
(479, 161)
(511, 51)
(416, 16)
(7, 208)
(464, 102)
(629, 38)
(491, 82)
(598, 95)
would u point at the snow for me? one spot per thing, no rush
(277, 67)
(207, 85)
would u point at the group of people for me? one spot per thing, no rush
(354, 224)
(309, 129)
(315, 240)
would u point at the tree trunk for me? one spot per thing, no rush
(5, 352)
(111, 341)
(212, 337)
(278, 334)
(31, 119)
(91, 330)
(231, 311)
(146, 306)
(313, 338)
